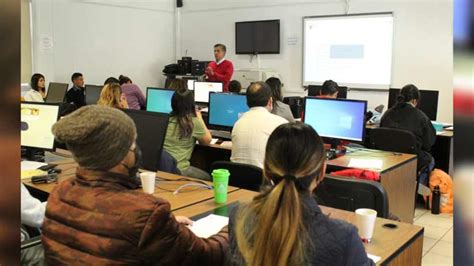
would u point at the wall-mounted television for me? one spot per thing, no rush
(257, 37)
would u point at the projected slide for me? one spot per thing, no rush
(355, 51)
(36, 123)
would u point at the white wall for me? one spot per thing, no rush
(103, 38)
(422, 52)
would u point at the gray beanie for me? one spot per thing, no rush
(98, 137)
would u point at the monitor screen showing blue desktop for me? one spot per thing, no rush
(225, 109)
(336, 118)
(159, 100)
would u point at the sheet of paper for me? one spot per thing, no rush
(373, 257)
(205, 110)
(227, 144)
(451, 128)
(25, 174)
(213, 140)
(366, 163)
(31, 165)
(209, 225)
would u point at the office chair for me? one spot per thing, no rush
(350, 194)
(396, 140)
(241, 175)
(296, 105)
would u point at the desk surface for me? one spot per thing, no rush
(390, 159)
(386, 243)
(164, 189)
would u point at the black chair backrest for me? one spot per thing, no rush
(296, 105)
(241, 175)
(56, 92)
(351, 194)
(391, 139)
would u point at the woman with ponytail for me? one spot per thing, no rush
(404, 115)
(284, 225)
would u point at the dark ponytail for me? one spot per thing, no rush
(408, 93)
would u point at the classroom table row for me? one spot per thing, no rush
(399, 244)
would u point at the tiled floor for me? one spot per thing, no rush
(438, 238)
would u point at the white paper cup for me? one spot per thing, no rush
(148, 182)
(365, 221)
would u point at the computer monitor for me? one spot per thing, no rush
(315, 90)
(151, 132)
(159, 100)
(37, 119)
(56, 92)
(226, 108)
(93, 93)
(428, 102)
(191, 84)
(336, 118)
(202, 89)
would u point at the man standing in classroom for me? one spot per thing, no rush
(222, 69)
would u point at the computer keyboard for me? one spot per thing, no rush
(220, 134)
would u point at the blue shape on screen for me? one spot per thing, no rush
(225, 109)
(159, 100)
(355, 51)
(335, 118)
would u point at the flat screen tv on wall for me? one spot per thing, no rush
(257, 37)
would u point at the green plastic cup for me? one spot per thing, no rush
(220, 178)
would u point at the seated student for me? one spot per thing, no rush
(37, 93)
(285, 217)
(251, 131)
(404, 115)
(75, 95)
(110, 80)
(279, 108)
(112, 96)
(32, 214)
(101, 216)
(329, 89)
(178, 84)
(135, 98)
(235, 87)
(184, 128)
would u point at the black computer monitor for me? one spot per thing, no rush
(56, 92)
(202, 89)
(37, 119)
(225, 109)
(159, 100)
(93, 93)
(336, 118)
(315, 90)
(428, 102)
(151, 132)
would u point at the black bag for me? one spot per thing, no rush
(171, 69)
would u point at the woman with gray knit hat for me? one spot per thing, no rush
(101, 217)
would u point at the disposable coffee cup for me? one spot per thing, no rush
(365, 220)
(148, 182)
(220, 179)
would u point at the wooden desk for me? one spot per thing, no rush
(397, 176)
(164, 189)
(400, 246)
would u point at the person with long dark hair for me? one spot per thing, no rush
(404, 115)
(284, 225)
(185, 127)
(279, 108)
(37, 93)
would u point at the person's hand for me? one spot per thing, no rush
(209, 71)
(184, 220)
